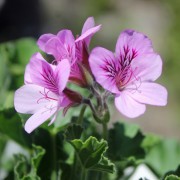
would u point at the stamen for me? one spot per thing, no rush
(45, 96)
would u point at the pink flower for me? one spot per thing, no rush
(83, 41)
(64, 46)
(42, 95)
(129, 73)
(61, 46)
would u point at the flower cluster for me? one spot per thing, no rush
(127, 74)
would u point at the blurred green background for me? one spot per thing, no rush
(22, 22)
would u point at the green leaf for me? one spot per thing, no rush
(73, 131)
(150, 141)
(176, 173)
(66, 173)
(3, 141)
(25, 48)
(27, 170)
(104, 165)
(91, 154)
(172, 177)
(122, 146)
(53, 144)
(38, 153)
(164, 156)
(22, 167)
(11, 126)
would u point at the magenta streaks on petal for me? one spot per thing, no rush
(42, 74)
(104, 67)
(130, 73)
(48, 76)
(131, 43)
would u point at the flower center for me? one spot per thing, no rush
(125, 72)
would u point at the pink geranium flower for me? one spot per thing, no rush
(129, 73)
(65, 46)
(42, 95)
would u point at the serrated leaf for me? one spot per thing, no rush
(27, 170)
(38, 153)
(172, 177)
(104, 165)
(90, 151)
(91, 154)
(22, 167)
(176, 173)
(73, 131)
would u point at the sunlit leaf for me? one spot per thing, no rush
(91, 153)
(25, 170)
(172, 177)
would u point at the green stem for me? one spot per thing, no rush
(81, 115)
(105, 131)
(83, 174)
(54, 156)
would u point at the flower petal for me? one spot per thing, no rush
(89, 23)
(43, 40)
(104, 67)
(66, 37)
(63, 47)
(131, 42)
(41, 73)
(29, 99)
(147, 67)
(86, 36)
(128, 106)
(150, 93)
(56, 48)
(38, 118)
(62, 73)
(27, 76)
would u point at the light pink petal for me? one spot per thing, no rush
(104, 68)
(89, 23)
(66, 37)
(68, 42)
(147, 67)
(56, 48)
(27, 77)
(150, 93)
(60, 106)
(38, 118)
(41, 73)
(88, 34)
(131, 42)
(128, 106)
(43, 40)
(29, 99)
(62, 73)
